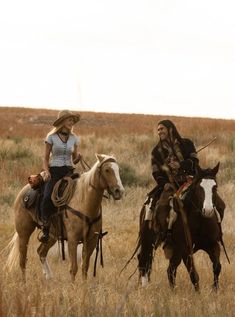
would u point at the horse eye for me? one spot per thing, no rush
(106, 170)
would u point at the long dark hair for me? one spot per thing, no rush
(170, 125)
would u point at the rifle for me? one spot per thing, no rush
(209, 143)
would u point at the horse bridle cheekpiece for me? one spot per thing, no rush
(108, 160)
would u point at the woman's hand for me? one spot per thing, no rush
(77, 159)
(47, 176)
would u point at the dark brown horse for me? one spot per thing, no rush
(203, 226)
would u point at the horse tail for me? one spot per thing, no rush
(138, 242)
(13, 253)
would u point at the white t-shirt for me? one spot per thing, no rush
(62, 151)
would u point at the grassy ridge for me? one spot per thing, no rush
(130, 138)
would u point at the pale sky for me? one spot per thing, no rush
(172, 57)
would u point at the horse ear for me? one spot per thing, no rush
(216, 169)
(100, 157)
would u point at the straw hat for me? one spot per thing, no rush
(65, 114)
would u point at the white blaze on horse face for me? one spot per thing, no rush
(208, 207)
(115, 168)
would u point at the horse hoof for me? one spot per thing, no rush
(197, 288)
(215, 288)
(144, 281)
(48, 277)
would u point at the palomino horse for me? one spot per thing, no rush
(203, 225)
(82, 218)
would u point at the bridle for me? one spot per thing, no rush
(192, 192)
(99, 168)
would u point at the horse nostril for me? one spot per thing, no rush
(117, 191)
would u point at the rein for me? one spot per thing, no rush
(84, 164)
(85, 218)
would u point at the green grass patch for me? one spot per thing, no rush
(15, 153)
(128, 175)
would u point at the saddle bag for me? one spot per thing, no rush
(31, 197)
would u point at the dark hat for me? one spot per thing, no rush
(65, 114)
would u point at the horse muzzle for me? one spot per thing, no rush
(208, 212)
(116, 192)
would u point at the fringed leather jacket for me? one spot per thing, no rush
(182, 151)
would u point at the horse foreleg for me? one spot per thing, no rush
(172, 269)
(87, 250)
(72, 249)
(188, 261)
(42, 252)
(214, 255)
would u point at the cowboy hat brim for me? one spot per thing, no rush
(76, 118)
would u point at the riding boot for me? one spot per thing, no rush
(45, 232)
(168, 239)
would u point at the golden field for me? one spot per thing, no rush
(130, 138)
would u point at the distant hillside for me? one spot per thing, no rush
(27, 122)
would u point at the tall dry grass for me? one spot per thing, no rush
(112, 293)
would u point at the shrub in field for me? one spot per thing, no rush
(19, 153)
(231, 142)
(128, 175)
(17, 139)
(15, 153)
(7, 199)
(228, 171)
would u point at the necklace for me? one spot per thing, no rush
(64, 133)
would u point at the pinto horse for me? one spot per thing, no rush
(82, 218)
(203, 224)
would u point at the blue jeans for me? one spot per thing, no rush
(46, 207)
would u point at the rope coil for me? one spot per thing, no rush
(61, 199)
